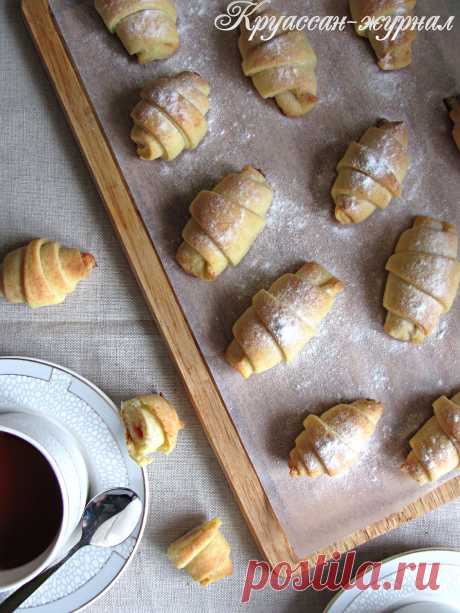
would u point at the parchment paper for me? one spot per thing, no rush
(352, 357)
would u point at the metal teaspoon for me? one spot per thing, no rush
(108, 520)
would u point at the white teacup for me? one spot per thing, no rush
(62, 452)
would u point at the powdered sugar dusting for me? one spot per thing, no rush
(351, 356)
(226, 233)
(148, 24)
(173, 104)
(285, 328)
(436, 451)
(428, 281)
(333, 453)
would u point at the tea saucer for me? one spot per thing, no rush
(35, 386)
(408, 598)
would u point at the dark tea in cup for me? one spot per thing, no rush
(31, 508)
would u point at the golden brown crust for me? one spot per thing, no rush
(392, 54)
(282, 68)
(332, 443)
(152, 425)
(371, 172)
(280, 321)
(43, 273)
(436, 446)
(147, 28)
(171, 116)
(225, 222)
(203, 552)
(423, 280)
(167, 415)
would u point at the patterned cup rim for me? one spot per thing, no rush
(93, 597)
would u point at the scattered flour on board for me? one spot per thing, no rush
(351, 355)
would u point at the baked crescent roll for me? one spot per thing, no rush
(152, 424)
(204, 553)
(225, 222)
(453, 105)
(332, 443)
(280, 321)
(171, 116)
(371, 172)
(423, 280)
(282, 68)
(391, 54)
(43, 273)
(147, 28)
(436, 446)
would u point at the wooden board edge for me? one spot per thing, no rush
(158, 293)
(240, 473)
(445, 493)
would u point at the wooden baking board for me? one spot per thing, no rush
(274, 506)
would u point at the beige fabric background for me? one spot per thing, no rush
(105, 333)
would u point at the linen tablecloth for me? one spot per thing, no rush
(105, 333)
